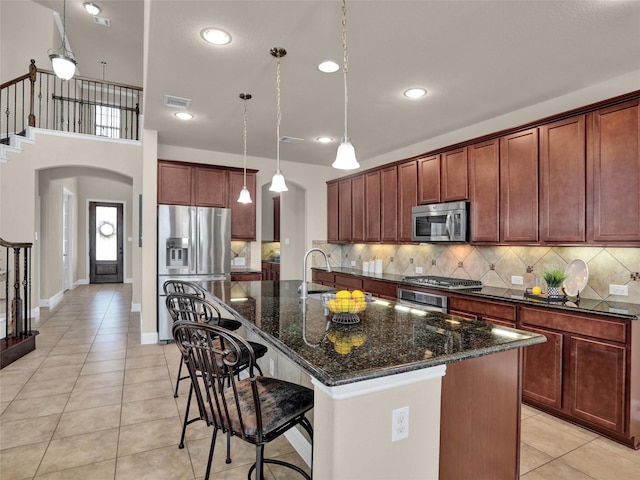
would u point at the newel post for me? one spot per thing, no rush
(32, 79)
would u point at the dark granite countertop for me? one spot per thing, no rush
(628, 311)
(241, 270)
(386, 341)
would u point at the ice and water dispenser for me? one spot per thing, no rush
(177, 252)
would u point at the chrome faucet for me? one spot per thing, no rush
(303, 287)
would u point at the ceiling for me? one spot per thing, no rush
(477, 59)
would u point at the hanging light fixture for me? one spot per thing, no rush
(64, 65)
(245, 196)
(346, 156)
(277, 181)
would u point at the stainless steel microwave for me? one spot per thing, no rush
(441, 222)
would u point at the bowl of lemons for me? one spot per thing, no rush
(346, 305)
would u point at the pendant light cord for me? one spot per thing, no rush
(278, 115)
(345, 61)
(244, 121)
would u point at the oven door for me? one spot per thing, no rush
(426, 301)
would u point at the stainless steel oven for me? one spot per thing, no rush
(427, 301)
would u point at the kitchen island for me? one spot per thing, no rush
(458, 379)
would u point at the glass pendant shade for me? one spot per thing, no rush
(346, 156)
(245, 196)
(63, 66)
(277, 183)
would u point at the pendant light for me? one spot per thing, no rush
(245, 196)
(346, 156)
(277, 181)
(64, 65)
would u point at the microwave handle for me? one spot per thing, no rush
(450, 225)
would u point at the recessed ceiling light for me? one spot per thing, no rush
(415, 93)
(328, 67)
(183, 115)
(324, 139)
(92, 8)
(216, 36)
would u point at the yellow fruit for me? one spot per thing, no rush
(357, 295)
(536, 290)
(343, 305)
(342, 347)
(343, 294)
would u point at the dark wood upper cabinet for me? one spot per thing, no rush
(372, 206)
(407, 198)
(389, 204)
(484, 191)
(614, 173)
(332, 212)
(210, 187)
(454, 175)
(357, 209)
(429, 179)
(562, 181)
(243, 215)
(519, 187)
(344, 210)
(174, 184)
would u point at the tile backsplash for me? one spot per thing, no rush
(495, 266)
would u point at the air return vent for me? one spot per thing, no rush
(285, 139)
(176, 102)
(105, 22)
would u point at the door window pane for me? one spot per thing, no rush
(106, 233)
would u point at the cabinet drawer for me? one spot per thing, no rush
(382, 289)
(324, 277)
(589, 326)
(482, 308)
(352, 283)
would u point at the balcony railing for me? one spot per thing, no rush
(80, 105)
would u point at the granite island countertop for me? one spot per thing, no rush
(389, 339)
(627, 311)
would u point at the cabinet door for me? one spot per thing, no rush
(389, 204)
(332, 212)
(519, 187)
(372, 206)
(357, 209)
(174, 184)
(344, 210)
(429, 180)
(210, 187)
(454, 177)
(484, 191)
(616, 173)
(597, 382)
(243, 215)
(542, 369)
(407, 198)
(562, 181)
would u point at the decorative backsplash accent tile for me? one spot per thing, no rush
(495, 265)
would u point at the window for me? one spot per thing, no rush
(107, 121)
(106, 233)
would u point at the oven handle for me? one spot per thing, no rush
(428, 308)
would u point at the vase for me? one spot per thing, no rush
(553, 291)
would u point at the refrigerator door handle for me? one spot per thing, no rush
(193, 243)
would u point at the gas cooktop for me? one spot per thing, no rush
(444, 282)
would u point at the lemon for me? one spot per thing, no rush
(343, 305)
(343, 294)
(536, 290)
(357, 295)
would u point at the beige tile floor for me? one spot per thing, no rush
(92, 403)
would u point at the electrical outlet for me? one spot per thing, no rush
(621, 290)
(517, 280)
(272, 367)
(418, 269)
(399, 424)
(239, 261)
(353, 263)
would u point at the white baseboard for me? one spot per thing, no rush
(301, 445)
(52, 301)
(81, 281)
(149, 338)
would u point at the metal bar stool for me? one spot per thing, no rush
(256, 409)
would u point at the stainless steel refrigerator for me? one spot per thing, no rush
(194, 244)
